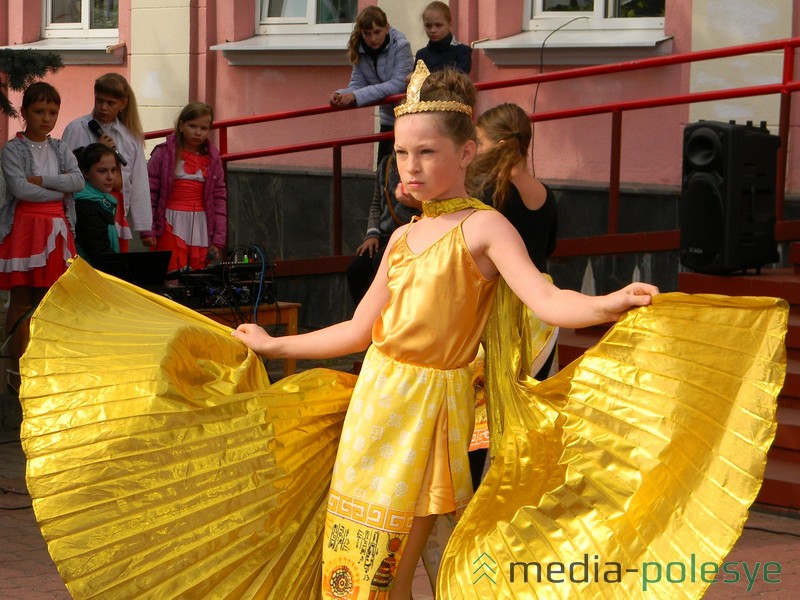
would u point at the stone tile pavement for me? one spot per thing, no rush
(27, 572)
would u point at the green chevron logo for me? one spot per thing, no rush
(486, 568)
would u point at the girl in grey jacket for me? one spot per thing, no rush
(382, 62)
(37, 215)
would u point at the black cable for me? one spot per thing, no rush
(257, 300)
(267, 264)
(15, 493)
(541, 70)
(772, 531)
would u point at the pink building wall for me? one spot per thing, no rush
(579, 149)
(74, 82)
(576, 150)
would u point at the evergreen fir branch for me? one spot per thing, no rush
(20, 68)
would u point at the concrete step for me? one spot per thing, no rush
(781, 482)
(794, 256)
(788, 434)
(781, 283)
(793, 334)
(572, 343)
(790, 394)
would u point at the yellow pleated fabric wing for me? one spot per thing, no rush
(644, 454)
(160, 462)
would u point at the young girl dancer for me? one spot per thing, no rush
(162, 465)
(442, 50)
(38, 218)
(116, 114)
(187, 189)
(382, 61)
(404, 450)
(95, 205)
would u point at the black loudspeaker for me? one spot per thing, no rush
(727, 204)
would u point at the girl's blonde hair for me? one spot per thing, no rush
(116, 86)
(440, 7)
(509, 128)
(451, 84)
(368, 18)
(193, 110)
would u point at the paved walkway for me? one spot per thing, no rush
(27, 573)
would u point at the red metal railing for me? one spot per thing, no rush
(611, 243)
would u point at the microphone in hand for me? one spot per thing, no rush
(96, 129)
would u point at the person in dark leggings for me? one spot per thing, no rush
(387, 212)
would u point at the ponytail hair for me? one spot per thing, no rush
(369, 17)
(116, 86)
(509, 128)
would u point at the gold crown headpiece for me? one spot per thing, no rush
(414, 105)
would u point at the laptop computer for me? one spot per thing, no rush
(145, 269)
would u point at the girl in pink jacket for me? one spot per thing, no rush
(187, 193)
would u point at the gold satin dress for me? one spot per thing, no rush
(162, 464)
(403, 450)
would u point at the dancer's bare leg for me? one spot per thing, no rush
(417, 538)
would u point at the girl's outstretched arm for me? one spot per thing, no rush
(501, 245)
(336, 340)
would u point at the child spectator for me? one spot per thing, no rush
(503, 180)
(387, 212)
(187, 191)
(442, 50)
(95, 205)
(500, 177)
(115, 123)
(37, 218)
(382, 62)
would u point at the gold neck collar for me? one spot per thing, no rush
(451, 205)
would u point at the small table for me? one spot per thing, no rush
(279, 313)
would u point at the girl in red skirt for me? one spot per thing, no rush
(37, 218)
(187, 192)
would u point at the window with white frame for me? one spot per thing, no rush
(544, 14)
(322, 16)
(81, 18)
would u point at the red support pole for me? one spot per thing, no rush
(612, 241)
(613, 186)
(337, 200)
(223, 140)
(783, 131)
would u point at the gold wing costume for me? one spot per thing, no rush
(162, 464)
